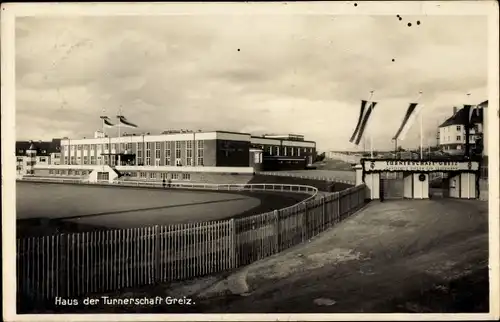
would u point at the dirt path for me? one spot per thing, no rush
(401, 256)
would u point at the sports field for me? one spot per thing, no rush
(46, 208)
(117, 207)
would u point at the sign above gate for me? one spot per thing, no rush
(418, 165)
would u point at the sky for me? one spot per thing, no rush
(302, 74)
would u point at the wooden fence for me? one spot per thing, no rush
(72, 265)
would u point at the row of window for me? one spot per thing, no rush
(70, 172)
(128, 146)
(287, 150)
(459, 128)
(160, 175)
(141, 160)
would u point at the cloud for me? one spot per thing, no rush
(257, 73)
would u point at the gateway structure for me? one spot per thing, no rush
(178, 156)
(388, 179)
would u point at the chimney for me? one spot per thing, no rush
(454, 110)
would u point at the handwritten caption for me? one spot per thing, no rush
(118, 301)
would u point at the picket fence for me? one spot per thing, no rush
(77, 264)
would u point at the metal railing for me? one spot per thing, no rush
(293, 188)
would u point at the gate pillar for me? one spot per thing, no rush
(420, 186)
(372, 182)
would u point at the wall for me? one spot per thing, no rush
(195, 177)
(319, 184)
(232, 153)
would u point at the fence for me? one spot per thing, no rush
(295, 188)
(72, 265)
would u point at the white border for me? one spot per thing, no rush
(10, 11)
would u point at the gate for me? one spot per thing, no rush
(391, 185)
(439, 185)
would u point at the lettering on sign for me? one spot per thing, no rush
(422, 166)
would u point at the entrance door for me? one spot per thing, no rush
(392, 185)
(439, 185)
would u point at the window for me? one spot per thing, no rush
(92, 160)
(459, 128)
(284, 151)
(148, 153)
(85, 160)
(189, 153)
(157, 150)
(459, 138)
(186, 176)
(43, 159)
(292, 151)
(168, 150)
(143, 175)
(79, 147)
(102, 176)
(177, 149)
(51, 171)
(152, 175)
(139, 153)
(269, 150)
(106, 146)
(92, 147)
(175, 176)
(70, 172)
(129, 146)
(277, 150)
(200, 153)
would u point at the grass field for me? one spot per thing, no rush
(124, 207)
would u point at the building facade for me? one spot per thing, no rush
(180, 156)
(29, 153)
(451, 136)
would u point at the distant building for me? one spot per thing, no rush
(29, 153)
(451, 136)
(176, 155)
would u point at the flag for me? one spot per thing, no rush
(364, 122)
(122, 120)
(361, 114)
(107, 121)
(410, 116)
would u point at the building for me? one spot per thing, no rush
(451, 136)
(29, 153)
(177, 156)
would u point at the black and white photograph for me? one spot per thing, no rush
(250, 161)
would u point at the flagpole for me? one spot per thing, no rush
(370, 132)
(104, 134)
(119, 136)
(421, 128)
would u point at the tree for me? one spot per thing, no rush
(320, 157)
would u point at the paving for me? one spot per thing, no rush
(397, 256)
